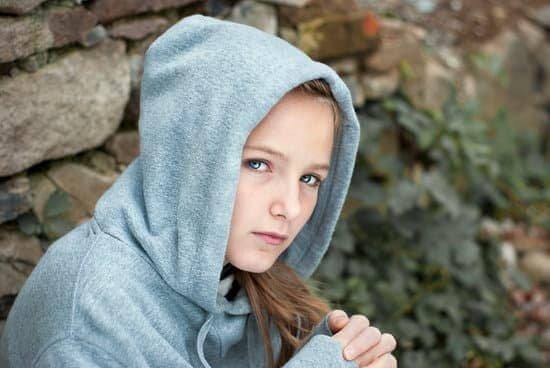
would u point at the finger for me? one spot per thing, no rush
(386, 345)
(361, 343)
(337, 319)
(339, 324)
(356, 324)
(383, 361)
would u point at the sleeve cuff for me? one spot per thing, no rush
(321, 351)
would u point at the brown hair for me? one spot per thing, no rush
(279, 295)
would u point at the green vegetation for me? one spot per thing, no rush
(408, 252)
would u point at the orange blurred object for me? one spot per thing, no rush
(371, 25)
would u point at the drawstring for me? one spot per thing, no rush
(226, 277)
(200, 340)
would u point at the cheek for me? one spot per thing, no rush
(308, 206)
(309, 203)
(246, 193)
(253, 197)
(246, 204)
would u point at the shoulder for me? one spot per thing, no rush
(75, 351)
(89, 284)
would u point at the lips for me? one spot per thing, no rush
(270, 239)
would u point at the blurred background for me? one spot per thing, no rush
(444, 240)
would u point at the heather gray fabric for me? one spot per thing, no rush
(137, 285)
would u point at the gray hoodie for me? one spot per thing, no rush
(138, 284)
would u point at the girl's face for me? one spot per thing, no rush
(278, 193)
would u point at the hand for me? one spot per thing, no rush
(361, 342)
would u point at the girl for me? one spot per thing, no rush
(196, 256)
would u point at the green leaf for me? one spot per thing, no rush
(520, 278)
(403, 196)
(466, 254)
(441, 191)
(457, 345)
(343, 238)
(332, 266)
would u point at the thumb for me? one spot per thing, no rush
(337, 319)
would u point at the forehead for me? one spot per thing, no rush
(297, 128)
(295, 115)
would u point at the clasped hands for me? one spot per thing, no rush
(361, 342)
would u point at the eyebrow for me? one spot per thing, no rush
(281, 156)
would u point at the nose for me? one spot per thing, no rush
(286, 200)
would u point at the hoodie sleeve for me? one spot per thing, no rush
(322, 328)
(320, 350)
(77, 353)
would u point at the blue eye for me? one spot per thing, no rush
(317, 182)
(248, 162)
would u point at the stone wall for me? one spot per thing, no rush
(70, 75)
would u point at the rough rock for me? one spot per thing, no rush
(108, 10)
(255, 14)
(291, 16)
(356, 89)
(40, 122)
(94, 36)
(15, 197)
(124, 146)
(338, 35)
(137, 29)
(537, 265)
(429, 85)
(56, 27)
(81, 182)
(18, 256)
(344, 66)
(506, 75)
(378, 86)
(399, 42)
(291, 3)
(18, 6)
(541, 15)
(42, 188)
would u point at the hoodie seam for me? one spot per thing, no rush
(107, 354)
(128, 245)
(73, 302)
(75, 339)
(77, 284)
(46, 347)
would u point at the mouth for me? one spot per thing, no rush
(270, 239)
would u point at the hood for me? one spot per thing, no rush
(206, 84)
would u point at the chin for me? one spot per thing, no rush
(255, 265)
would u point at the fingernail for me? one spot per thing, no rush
(342, 315)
